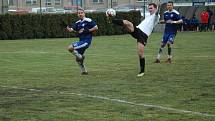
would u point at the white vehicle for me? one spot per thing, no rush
(43, 10)
(50, 10)
(60, 10)
(37, 10)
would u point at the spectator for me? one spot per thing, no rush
(194, 23)
(204, 20)
(210, 13)
(185, 23)
(181, 26)
(213, 26)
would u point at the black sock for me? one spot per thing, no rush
(118, 21)
(160, 50)
(142, 65)
(169, 50)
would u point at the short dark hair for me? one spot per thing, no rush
(154, 5)
(80, 9)
(170, 2)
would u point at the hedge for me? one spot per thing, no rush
(32, 26)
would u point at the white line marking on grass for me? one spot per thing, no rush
(143, 104)
(120, 101)
(26, 52)
(203, 56)
(32, 52)
(21, 88)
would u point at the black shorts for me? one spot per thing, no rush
(139, 35)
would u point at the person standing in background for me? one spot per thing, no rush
(204, 20)
(210, 13)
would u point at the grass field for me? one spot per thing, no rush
(40, 81)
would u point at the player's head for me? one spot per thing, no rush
(169, 5)
(152, 8)
(81, 13)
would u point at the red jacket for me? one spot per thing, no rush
(204, 17)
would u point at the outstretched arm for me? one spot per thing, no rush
(162, 22)
(69, 29)
(95, 28)
(171, 22)
(177, 22)
(157, 13)
(158, 9)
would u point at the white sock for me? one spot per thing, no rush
(169, 56)
(83, 68)
(159, 53)
(158, 56)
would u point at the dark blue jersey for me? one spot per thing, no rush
(86, 23)
(174, 16)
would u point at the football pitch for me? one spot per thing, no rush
(40, 81)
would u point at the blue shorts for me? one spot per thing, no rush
(168, 38)
(80, 46)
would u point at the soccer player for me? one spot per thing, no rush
(84, 27)
(171, 19)
(141, 32)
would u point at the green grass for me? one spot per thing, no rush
(62, 94)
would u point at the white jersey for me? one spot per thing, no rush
(149, 23)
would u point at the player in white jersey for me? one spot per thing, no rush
(141, 32)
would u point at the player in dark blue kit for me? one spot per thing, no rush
(172, 19)
(84, 26)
